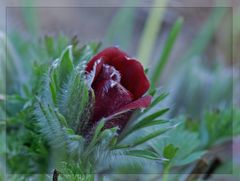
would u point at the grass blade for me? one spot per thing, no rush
(150, 31)
(149, 137)
(172, 37)
(154, 115)
(145, 122)
(144, 139)
(144, 154)
(141, 125)
(156, 101)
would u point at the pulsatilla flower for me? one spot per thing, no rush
(119, 83)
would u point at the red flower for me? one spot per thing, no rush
(119, 83)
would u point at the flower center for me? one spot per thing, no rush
(109, 72)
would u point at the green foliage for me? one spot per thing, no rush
(74, 172)
(68, 90)
(49, 122)
(28, 69)
(27, 149)
(53, 47)
(179, 147)
(62, 68)
(50, 116)
(61, 108)
(188, 142)
(146, 123)
(72, 108)
(143, 123)
(31, 149)
(218, 126)
(169, 151)
(144, 154)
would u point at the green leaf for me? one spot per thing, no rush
(217, 126)
(61, 118)
(61, 42)
(60, 71)
(75, 137)
(144, 124)
(144, 154)
(50, 126)
(170, 151)
(175, 138)
(156, 100)
(74, 101)
(167, 50)
(191, 158)
(108, 136)
(55, 46)
(53, 90)
(97, 132)
(150, 136)
(69, 131)
(147, 121)
(113, 142)
(154, 115)
(65, 64)
(85, 53)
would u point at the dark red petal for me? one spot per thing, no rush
(142, 102)
(120, 121)
(108, 55)
(122, 115)
(133, 77)
(132, 73)
(109, 97)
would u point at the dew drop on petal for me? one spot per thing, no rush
(128, 58)
(98, 61)
(112, 84)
